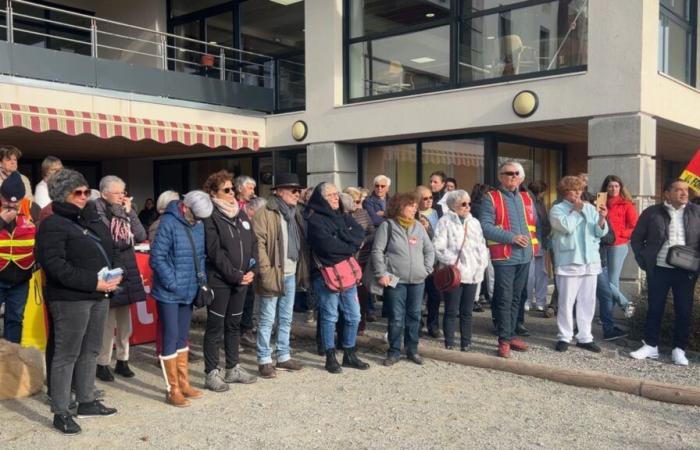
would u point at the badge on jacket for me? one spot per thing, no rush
(246, 225)
(412, 240)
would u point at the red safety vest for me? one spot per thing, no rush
(499, 250)
(18, 247)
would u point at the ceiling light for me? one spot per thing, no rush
(422, 60)
(285, 2)
(430, 15)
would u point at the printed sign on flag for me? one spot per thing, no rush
(691, 174)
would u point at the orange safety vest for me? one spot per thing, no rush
(18, 247)
(499, 250)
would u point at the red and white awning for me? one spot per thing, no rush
(73, 123)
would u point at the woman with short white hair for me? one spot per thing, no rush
(459, 239)
(375, 204)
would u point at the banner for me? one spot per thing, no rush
(144, 315)
(691, 174)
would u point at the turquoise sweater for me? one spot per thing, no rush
(575, 236)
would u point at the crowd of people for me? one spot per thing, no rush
(232, 252)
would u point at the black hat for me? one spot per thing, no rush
(288, 180)
(12, 188)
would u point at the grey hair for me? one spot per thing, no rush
(380, 178)
(242, 180)
(164, 199)
(325, 186)
(63, 183)
(256, 203)
(109, 180)
(515, 164)
(454, 197)
(47, 163)
(347, 201)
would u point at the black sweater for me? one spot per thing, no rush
(230, 247)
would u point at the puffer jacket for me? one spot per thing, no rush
(623, 218)
(474, 257)
(230, 248)
(172, 261)
(409, 254)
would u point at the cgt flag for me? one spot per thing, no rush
(691, 174)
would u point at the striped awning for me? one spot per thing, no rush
(74, 123)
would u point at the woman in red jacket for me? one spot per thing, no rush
(622, 215)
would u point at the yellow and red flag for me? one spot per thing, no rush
(691, 174)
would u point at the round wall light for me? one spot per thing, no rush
(299, 130)
(525, 103)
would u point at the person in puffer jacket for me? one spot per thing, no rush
(175, 285)
(458, 237)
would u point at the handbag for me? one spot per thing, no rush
(684, 257)
(341, 276)
(34, 322)
(447, 278)
(205, 296)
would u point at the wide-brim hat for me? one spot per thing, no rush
(287, 180)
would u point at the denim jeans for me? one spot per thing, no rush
(329, 303)
(404, 308)
(510, 281)
(683, 286)
(605, 301)
(537, 281)
(459, 303)
(175, 319)
(14, 298)
(616, 258)
(434, 299)
(282, 308)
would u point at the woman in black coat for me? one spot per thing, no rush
(230, 245)
(72, 246)
(334, 237)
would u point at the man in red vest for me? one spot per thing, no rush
(17, 232)
(509, 221)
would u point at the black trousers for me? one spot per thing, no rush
(459, 303)
(248, 310)
(683, 285)
(224, 321)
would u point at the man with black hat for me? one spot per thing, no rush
(282, 263)
(17, 233)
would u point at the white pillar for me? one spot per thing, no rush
(333, 162)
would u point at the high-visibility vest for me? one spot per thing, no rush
(18, 247)
(499, 250)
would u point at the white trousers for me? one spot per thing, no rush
(578, 291)
(119, 318)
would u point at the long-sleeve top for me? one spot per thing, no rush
(576, 235)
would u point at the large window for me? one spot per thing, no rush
(398, 162)
(395, 48)
(678, 39)
(461, 159)
(540, 163)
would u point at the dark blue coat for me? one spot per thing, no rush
(174, 275)
(372, 204)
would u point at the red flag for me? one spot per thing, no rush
(691, 174)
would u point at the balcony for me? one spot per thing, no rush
(47, 43)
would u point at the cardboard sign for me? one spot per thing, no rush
(144, 315)
(691, 174)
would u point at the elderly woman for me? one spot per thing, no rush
(180, 239)
(376, 203)
(230, 245)
(73, 246)
(115, 210)
(163, 200)
(458, 238)
(336, 237)
(402, 258)
(425, 207)
(576, 231)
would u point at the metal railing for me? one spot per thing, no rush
(33, 24)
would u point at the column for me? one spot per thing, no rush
(332, 162)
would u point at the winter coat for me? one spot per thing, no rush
(336, 235)
(409, 254)
(70, 257)
(575, 236)
(623, 218)
(267, 226)
(474, 257)
(372, 205)
(606, 241)
(230, 248)
(174, 275)
(544, 229)
(131, 288)
(362, 217)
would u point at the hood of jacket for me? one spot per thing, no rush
(173, 209)
(320, 205)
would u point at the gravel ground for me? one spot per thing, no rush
(437, 405)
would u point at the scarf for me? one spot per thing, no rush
(229, 210)
(119, 226)
(406, 223)
(427, 212)
(293, 233)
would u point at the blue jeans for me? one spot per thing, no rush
(404, 308)
(537, 281)
(616, 258)
(605, 301)
(329, 303)
(14, 298)
(509, 286)
(175, 319)
(283, 308)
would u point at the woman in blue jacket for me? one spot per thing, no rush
(175, 284)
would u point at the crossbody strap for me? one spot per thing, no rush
(464, 241)
(200, 275)
(388, 236)
(96, 240)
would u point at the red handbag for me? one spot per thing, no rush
(447, 278)
(341, 276)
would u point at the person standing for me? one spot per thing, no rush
(429, 218)
(49, 166)
(245, 190)
(375, 204)
(245, 193)
(438, 187)
(9, 161)
(660, 227)
(148, 214)
(538, 278)
(282, 264)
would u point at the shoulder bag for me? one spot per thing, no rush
(684, 257)
(341, 276)
(447, 278)
(205, 296)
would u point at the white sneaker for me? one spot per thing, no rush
(646, 351)
(527, 306)
(629, 310)
(678, 357)
(540, 308)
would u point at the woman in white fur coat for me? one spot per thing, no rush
(456, 225)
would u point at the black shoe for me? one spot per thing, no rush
(561, 346)
(350, 359)
(477, 308)
(464, 348)
(416, 358)
(104, 374)
(94, 409)
(65, 424)
(434, 333)
(616, 333)
(520, 330)
(391, 360)
(122, 368)
(590, 346)
(331, 362)
(248, 340)
(449, 347)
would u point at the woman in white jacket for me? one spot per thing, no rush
(455, 227)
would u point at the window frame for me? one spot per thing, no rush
(690, 26)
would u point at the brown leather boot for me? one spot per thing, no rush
(183, 375)
(174, 395)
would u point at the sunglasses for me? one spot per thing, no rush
(425, 199)
(226, 190)
(381, 186)
(296, 191)
(465, 204)
(511, 173)
(81, 193)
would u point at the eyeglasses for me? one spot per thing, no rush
(226, 190)
(466, 204)
(381, 186)
(511, 173)
(357, 202)
(296, 191)
(81, 193)
(425, 199)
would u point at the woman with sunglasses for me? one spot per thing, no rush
(73, 246)
(458, 237)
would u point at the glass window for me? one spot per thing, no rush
(461, 159)
(475, 6)
(543, 37)
(676, 40)
(403, 63)
(681, 8)
(398, 162)
(381, 16)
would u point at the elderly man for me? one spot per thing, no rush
(509, 221)
(375, 204)
(49, 166)
(245, 190)
(9, 160)
(282, 263)
(115, 210)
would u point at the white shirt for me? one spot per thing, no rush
(578, 270)
(676, 233)
(41, 194)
